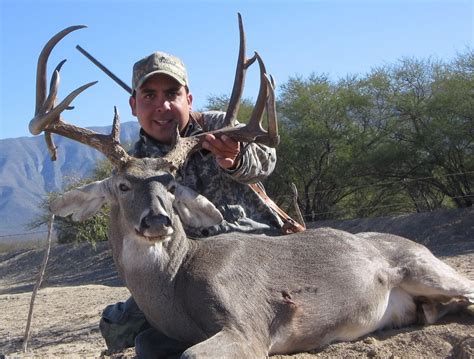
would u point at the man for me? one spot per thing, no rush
(221, 171)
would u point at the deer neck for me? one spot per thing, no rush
(134, 256)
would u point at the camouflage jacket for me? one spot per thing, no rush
(242, 209)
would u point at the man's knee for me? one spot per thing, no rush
(120, 324)
(151, 344)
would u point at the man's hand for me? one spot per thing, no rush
(224, 148)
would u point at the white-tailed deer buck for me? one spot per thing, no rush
(234, 295)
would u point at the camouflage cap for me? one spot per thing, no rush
(158, 63)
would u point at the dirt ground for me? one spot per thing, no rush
(80, 281)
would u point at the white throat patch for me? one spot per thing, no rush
(139, 254)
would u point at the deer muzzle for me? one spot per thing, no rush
(155, 227)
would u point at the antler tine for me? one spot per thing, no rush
(273, 137)
(43, 62)
(183, 146)
(47, 105)
(179, 153)
(253, 131)
(239, 81)
(257, 112)
(48, 116)
(43, 120)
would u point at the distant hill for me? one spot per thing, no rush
(27, 174)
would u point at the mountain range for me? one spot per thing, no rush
(27, 174)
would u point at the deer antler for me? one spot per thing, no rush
(48, 115)
(242, 65)
(253, 131)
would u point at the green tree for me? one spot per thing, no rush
(430, 125)
(324, 138)
(399, 139)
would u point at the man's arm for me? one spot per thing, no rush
(257, 163)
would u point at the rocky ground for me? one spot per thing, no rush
(80, 281)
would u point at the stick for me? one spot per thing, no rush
(105, 69)
(38, 284)
(299, 215)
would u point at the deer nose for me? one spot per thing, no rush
(153, 223)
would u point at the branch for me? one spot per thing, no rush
(38, 284)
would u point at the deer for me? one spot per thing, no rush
(241, 295)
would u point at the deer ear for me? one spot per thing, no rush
(82, 202)
(194, 209)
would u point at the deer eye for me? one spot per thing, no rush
(123, 187)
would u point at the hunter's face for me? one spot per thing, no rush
(159, 104)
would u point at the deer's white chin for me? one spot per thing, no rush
(140, 253)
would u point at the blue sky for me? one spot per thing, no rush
(294, 37)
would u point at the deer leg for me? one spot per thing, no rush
(228, 344)
(427, 276)
(430, 311)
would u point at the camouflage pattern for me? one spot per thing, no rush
(120, 324)
(242, 209)
(159, 63)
